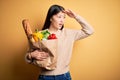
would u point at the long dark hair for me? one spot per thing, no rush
(54, 9)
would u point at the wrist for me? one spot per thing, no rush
(77, 17)
(29, 56)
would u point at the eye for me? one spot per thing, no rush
(64, 17)
(59, 16)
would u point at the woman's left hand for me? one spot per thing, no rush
(70, 13)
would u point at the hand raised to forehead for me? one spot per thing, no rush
(70, 13)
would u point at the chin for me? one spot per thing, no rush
(59, 27)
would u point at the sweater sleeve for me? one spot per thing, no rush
(86, 30)
(28, 58)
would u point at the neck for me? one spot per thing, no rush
(52, 29)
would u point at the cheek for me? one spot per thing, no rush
(55, 21)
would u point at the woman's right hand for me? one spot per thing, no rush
(39, 55)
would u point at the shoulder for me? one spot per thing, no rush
(68, 32)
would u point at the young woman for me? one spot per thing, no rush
(54, 23)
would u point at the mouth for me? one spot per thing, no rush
(60, 24)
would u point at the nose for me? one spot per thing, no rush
(62, 20)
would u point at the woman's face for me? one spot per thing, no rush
(57, 20)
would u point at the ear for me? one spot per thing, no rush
(50, 19)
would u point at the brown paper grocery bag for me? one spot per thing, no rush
(48, 46)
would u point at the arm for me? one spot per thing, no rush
(35, 55)
(86, 27)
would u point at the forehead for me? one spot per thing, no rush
(60, 13)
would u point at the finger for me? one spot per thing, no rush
(63, 11)
(41, 58)
(70, 10)
(45, 55)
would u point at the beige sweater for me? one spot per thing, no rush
(66, 38)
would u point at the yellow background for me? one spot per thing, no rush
(94, 58)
